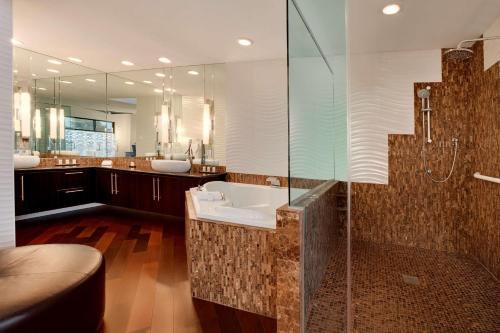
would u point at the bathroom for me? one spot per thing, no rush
(250, 166)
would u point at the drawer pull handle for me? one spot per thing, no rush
(154, 190)
(73, 173)
(74, 191)
(22, 188)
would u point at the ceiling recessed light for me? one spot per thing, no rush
(193, 73)
(52, 70)
(33, 74)
(160, 74)
(130, 83)
(78, 60)
(66, 82)
(127, 63)
(90, 80)
(42, 88)
(164, 60)
(147, 82)
(245, 42)
(16, 42)
(15, 71)
(391, 9)
(54, 61)
(159, 91)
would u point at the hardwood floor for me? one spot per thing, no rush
(147, 286)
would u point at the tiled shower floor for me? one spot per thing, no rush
(399, 289)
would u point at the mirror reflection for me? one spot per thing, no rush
(62, 108)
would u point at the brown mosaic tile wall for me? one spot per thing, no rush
(288, 240)
(247, 178)
(306, 237)
(231, 265)
(480, 235)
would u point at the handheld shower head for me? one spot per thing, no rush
(423, 93)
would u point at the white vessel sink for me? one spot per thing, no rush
(26, 161)
(170, 166)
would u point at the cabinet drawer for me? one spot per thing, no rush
(73, 196)
(70, 179)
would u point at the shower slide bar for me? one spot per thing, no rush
(488, 178)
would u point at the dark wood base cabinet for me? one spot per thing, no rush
(45, 189)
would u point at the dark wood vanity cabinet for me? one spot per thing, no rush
(45, 189)
(114, 187)
(40, 190)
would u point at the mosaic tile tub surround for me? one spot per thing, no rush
(231, 264)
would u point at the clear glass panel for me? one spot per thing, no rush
(318, 158)
(311, 116)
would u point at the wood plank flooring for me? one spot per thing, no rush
(147, 286)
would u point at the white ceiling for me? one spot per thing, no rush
(103, 33)
(421, 24)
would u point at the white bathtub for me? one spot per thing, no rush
(253, 205)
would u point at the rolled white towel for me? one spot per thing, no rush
(210, 196)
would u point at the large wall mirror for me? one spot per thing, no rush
(62, 108)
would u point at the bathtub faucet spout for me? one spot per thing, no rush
(274, 181)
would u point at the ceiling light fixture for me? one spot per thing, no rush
(90, 80)
(160, 74)
(164, 60)
(391, 9)
(54, 61)
(130, 83)
(42, 88)
(159, 91)
(78, 60)
(245, 41)
(16, 42)
(193, 73)
(52, 70)
(147, 82)
(66, 82)
(33, 74)
(15, 71)
(127, 63)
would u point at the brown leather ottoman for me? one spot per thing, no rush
(51, 288)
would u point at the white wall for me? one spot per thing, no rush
(492, 47)
(7, 225)
(256, 117)
(381, 103)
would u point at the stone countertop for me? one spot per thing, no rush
(177, 174)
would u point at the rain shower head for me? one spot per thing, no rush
(459, 53)
(462, 53)
(423, 93)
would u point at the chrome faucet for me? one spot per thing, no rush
(274, 181)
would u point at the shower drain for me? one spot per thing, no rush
(410, 279)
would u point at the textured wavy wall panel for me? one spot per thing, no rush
(256, 117)
(7, 232)
(492, 47)
(381, 103)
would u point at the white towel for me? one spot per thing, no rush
(210, 196)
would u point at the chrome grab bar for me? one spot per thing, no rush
(487, 178)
